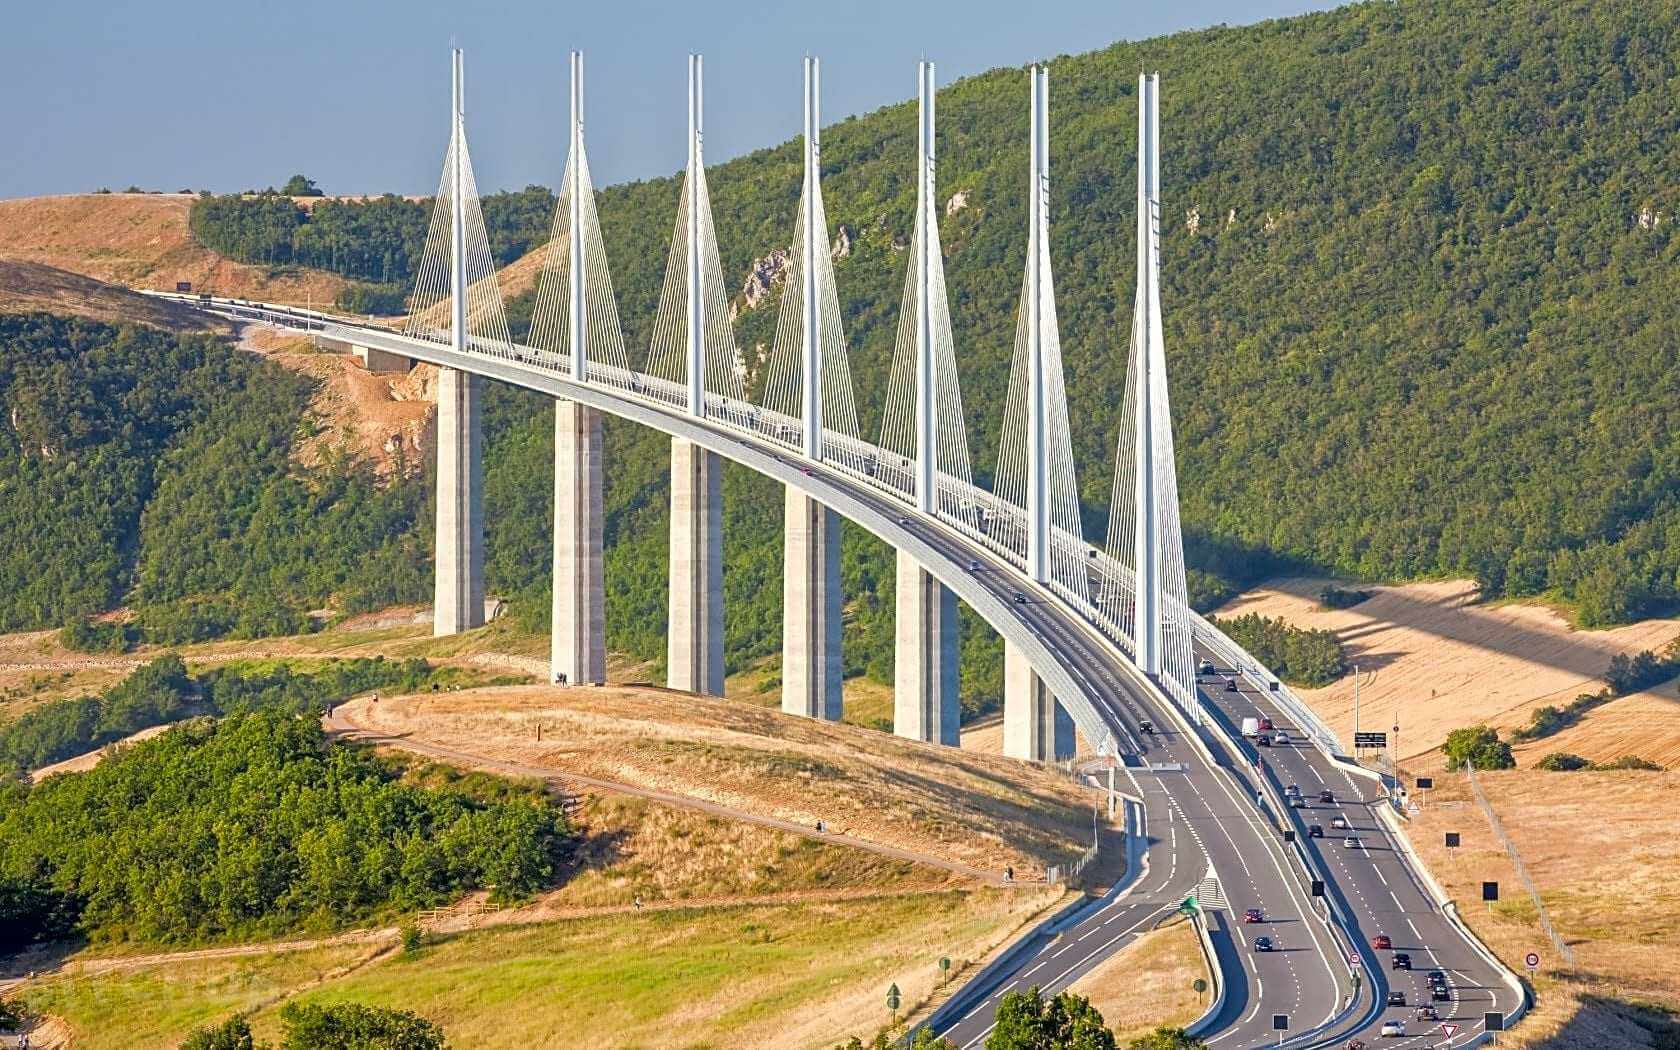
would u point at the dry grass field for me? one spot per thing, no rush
(1602, 850)
(1441, 661)
(973, 809)
(26, 287)
(141, 240)
(1148, 984)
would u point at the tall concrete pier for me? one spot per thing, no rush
(578, 650)
(925, 682)
(695, 651)
(811, 609)
(459, 602)
(1035, 727)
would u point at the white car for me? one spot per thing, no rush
(1350, 843)
(1281, 737)
(1390, 1029)
(1340, 823)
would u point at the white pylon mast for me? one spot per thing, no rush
(1146, 535)
(575, 271)
(814, 241)
(927, 414)
(457, 210)
(696, 309)
(1038, 204)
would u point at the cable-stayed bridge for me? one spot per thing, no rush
(1098, 638)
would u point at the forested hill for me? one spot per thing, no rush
(1419, 276)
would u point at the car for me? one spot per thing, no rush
(1425, 1013)
(1393, 1029)
(808, 472)
(973, 566)
(1382, 942)
(1315, 831)
(1351, 842)
(1327, 797)
(1205, 667)
(1282, 737)
(1231, 686)
(1263, 740)
(1340, 823)
(1441, 993)
(904, 521)
(1020, 599)
(1265, 723)
(1400, 961)
(1254, 915)
(1262, 944)
(1437, 977)
(1293, 789)
(1297, 802)
(1397, 998)
(1146, 727)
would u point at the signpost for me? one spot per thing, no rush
(944, 968)
(1374, 741)
(1532, 960)
(1490, 891)
(1452, 840)
(893, 1001)
(1280, 1025)
(1199, 986)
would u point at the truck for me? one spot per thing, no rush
(1251, 728)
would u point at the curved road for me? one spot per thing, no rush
(1205, 803)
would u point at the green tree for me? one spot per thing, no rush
(1167, 1039)
(299, 186)
(232, 1034)
(1030, 1021)
(1478, 747)
(353, 1026)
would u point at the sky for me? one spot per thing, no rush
(235, 94)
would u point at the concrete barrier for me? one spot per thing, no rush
(1211, 957)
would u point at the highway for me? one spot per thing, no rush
(1204, 803)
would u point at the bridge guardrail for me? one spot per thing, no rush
(1220, 990)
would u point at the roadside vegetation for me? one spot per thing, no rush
(1296, 655)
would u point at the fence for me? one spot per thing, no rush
(1522, 870)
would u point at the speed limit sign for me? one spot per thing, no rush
(1532, 959)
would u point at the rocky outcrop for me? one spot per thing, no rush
(842, 244)
(1193, 219)
(1648, 218)
(764, 276)
(958, 201)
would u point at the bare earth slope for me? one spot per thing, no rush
(26, 287)
(1442, 661)
(982, 811)
(141, 240)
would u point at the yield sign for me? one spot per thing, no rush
(1449, 1030)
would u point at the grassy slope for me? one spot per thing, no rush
(1148, 985)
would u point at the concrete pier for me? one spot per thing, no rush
(376, 360)
(695, 654)
(578, 649)
(459, 602)
(1034, 725)
(925, 682)
(811, 599)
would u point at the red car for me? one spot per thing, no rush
(1381, 942)
(1254, 915)
(1265, 723)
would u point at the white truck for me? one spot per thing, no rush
(1251, 728)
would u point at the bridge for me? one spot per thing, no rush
(1098, 639)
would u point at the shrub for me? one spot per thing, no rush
(1333, 597)
(86, 636)
(232, 1034)
(1478, 747)
(1630, 762)
(1629, 675)
(1562, 762)
(411, 939)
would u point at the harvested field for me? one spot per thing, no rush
(1442, 661)
(983, 811)
(1601, 848)
(1147, 985)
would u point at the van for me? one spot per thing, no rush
(1251, 728)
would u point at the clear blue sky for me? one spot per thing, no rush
(213, 94)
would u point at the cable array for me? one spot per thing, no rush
(430, 305)
(725, 373)
(551, 316)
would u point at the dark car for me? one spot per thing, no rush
(1262, 944)
(1441, 993)
(1401, 961)
(1437, 977)
(1327, 797)
(1231, 686)
(1397, 998)
(1020, 599)
(1263, 740)
(1425, 1013)
(1315, 831)
(1146, 726)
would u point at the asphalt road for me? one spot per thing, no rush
(1206, 813)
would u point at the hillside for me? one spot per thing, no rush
(33, 287)
(141, 240)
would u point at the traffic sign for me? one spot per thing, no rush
(1452, 840)
(1280, 1022)
(1449, 1030)
(1493, 1021)
(1353, 959)
(1490, 891)
(1425, 783)
(1372, 740)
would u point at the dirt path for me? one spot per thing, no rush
(344, 722)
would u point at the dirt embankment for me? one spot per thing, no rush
(141, 240)
(27, 286)
(1433, 659)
